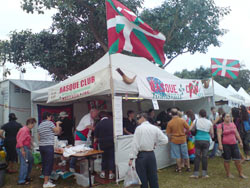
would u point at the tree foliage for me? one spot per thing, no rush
(243, 79)
(78, 35)
(189, 25)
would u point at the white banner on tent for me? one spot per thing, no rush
(166, 89)
(80, 88)
(233, 104)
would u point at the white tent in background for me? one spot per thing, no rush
(235, 94)
(231, 88)
(243, 93)
(223, 94)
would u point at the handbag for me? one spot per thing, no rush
(194, 129)
(131, 178)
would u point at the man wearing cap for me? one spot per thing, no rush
(146, 138)
(67, 128)
(11, 129)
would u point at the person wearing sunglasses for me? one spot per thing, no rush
(146, 138)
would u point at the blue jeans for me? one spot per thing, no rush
(47, 154)
(25, 167)
(216, 145)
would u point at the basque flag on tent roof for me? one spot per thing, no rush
(225, 67)
(128, 32)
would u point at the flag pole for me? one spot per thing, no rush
(212, 84)
(112, 91)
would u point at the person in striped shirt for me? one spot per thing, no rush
(46, 134)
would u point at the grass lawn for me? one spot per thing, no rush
(167, 178)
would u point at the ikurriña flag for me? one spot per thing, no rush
(128, 32)
(225, 67)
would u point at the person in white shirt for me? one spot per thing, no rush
(213, 116)
(146, 138)
(85, 127)
(83, 132)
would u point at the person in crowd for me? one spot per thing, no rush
(23, 148)
(216, 122)
(227, 135)
(175, 131)
(180, 114)
(151, 117)
(129, 124)
(83, 132)
(204, 129)
(85, 127)
(143, 150)
(10, 129)
(213, 116)
(245, 130)
(46, 133)
(190, 138)
(163, 118)
(67, 126)
(237, 121)
(105, 137)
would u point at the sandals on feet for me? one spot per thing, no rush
(243, 177)
(188, 170)
(230, 176)
(178, 170)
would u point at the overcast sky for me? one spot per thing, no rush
(235, 44)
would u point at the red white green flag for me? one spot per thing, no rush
(128, 32)
(225, 67)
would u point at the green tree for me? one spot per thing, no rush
(189, 25)
(78, 36)
(243, 79)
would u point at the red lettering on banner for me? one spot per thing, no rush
(170, 88)
(162, 87)
(158, 88)
(76, 85)
(152, 85)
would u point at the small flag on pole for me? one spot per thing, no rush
(225, 67)
(128, 32)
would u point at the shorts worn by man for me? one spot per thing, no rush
(175, 131)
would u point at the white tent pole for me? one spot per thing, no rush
(212, 84)
(113, 110)
(213, 91)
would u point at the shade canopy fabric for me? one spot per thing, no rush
(223, 94)
(95, 80)
(243, 93)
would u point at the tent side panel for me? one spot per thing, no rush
(20, 103)
(124, 145)
(5, 101)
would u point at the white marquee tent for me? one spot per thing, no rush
(223, 94)
(243, 93)
(235, 94)
(97, 81)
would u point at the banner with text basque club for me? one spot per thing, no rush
(80, 87)
(165, 89)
